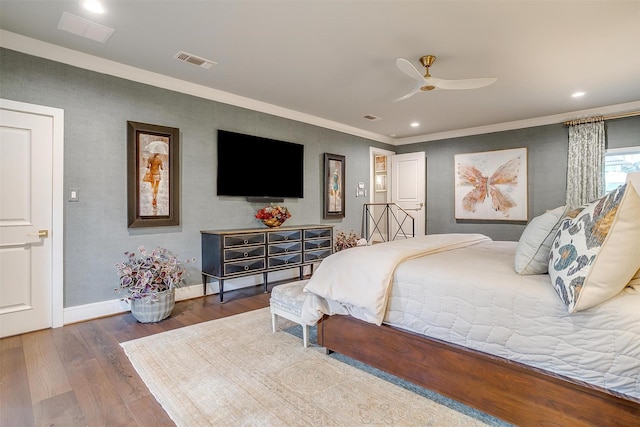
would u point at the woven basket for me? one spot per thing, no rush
(147, 311)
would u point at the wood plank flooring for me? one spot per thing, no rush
(78, 375)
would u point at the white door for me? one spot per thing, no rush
(26, 219)
(408, 184)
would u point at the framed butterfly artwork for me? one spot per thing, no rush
(491, 185)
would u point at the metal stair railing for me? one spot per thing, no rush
(388, 216)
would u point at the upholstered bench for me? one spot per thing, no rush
(286, 301)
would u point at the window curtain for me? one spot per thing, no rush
(585, 168)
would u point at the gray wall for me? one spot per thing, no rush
(97, 108)
(547, 160)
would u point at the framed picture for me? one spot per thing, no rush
(380, 163)
(381, 183)
(153, 175)
(491, 185)
(333, 185)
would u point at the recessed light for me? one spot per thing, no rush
(93, 6)
(415, 124)
(577, 94)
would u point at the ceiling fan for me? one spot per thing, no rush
(427, 83)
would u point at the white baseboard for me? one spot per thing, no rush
(81, 313)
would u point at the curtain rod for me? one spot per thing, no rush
(600, 118)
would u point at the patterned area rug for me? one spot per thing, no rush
(235, 371)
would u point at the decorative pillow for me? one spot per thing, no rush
(532, 252)
(635, 280)
(594, 256)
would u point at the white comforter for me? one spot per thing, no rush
(360, 278)
(472, 297)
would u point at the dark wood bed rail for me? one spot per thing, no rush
(507, 390)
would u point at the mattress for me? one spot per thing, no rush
(473, 297)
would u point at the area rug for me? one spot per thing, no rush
(235, 372)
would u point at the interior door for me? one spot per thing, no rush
(408, 191)
(26, 152)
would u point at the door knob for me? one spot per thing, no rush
(40, 233)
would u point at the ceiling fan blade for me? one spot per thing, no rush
(462, 84)
(411, 71)
(410, 94)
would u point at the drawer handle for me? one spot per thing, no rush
(286, 261)
(246, 241)
(286, 237)
(286, 249)
(246, 268)
(246, 254)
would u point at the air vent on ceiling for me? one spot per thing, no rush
(194, 60)
(371, 117)
(84, 28)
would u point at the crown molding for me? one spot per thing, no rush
(78, 59)
(85, 61)
(521, 124)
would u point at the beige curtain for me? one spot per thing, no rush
(585, 168)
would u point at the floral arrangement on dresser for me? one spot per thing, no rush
(346, 241)
(273, 215)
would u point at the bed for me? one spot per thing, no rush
(452, 314)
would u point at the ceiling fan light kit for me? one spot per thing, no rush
(428, 83)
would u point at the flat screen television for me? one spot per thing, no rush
(256, 167)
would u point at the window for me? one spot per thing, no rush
(618, 162)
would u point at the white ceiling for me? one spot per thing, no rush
(333, 62)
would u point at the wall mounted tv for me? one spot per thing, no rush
(256, 167)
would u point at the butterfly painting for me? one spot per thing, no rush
(491, 185)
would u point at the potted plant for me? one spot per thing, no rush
(149, 282)
(346, 241)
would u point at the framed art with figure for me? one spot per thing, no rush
(152, 175)
(334, 166)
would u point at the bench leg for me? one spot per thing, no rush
(305, 335)
(274, 322)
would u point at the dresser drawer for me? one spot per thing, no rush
(283, 248)
(317, 244)
(282, 260)
(284, 235)
(243, 252)
(316, 255)
(243, 240)
(243, 266)
(317, 232)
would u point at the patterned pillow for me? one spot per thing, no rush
(532, 252)
(635, 280)
(595, 255)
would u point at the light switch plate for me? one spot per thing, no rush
(74, 195)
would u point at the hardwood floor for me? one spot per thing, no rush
(78, 375)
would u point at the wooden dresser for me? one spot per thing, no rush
(229, 254)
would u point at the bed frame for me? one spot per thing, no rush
(508, 390)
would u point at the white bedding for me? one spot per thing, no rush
(366, 289)
(472, 297)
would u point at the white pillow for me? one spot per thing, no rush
(532, 252)
(594, 256)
